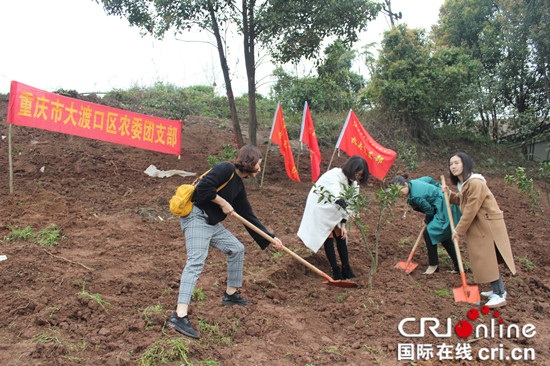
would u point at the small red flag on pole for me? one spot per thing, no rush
(355, 140)
(309, 137)
(279, 136)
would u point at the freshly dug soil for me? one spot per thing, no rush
(102, 295)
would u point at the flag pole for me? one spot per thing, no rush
(340, 138)
(330, 163)
(10, 163)
(298, 159)
(302, 135)
(265, 162)
(269, 143)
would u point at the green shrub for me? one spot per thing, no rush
(227, 154)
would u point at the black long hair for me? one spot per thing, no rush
(467, 167)
(401, 180)
(355, 164)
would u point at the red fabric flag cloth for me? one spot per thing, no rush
(309, 137)
(355, 140)
(279, 136)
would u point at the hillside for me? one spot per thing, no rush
(121, 245)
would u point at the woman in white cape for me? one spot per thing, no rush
(323, 222)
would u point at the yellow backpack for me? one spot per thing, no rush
(180, 203)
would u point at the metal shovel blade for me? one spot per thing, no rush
(408, 267)
(339, 283)
(466, 293)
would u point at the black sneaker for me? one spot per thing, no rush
(183, 326)
(234, 299)
(347, 273)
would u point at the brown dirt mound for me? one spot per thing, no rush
(121, 245)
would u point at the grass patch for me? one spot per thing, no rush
(526, 262)
(48, 336)
(219, 333)
(443, 256)
(148, 314)
(19, 234)
(164, 351)
(405, 242)
(96, 297)
(198, 295)
(444, 292)
(47, 237)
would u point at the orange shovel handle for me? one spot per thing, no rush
(451, 221)
(416, 243)
(296, 256)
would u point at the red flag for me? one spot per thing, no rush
(310, 138)
(279, 136)
(355, 140)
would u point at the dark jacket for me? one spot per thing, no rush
(233, 192)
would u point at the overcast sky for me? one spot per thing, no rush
(73, 44)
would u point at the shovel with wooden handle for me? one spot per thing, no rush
(464, 293)
(409, 265)
(330, 281)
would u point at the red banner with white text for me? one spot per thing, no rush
(355, 140)
(33, 107)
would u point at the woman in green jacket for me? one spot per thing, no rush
(424, 195)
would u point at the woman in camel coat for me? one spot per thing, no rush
(482, 226)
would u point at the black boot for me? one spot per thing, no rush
(336, 273)
(347, 272)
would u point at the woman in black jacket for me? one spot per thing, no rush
(203, 229)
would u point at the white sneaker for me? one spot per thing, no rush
(496, 301)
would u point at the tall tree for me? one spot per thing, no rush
(416, 85)
(537, 15)
(507, 37)
(462, 24)
(335, 88)
(159, 16)
(290, 29)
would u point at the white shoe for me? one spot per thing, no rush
(431, 270)
(496, 301)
